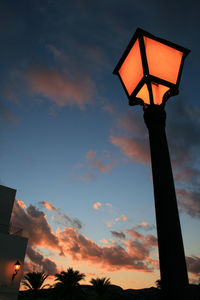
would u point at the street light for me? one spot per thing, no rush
(17, 267)
(150, 71)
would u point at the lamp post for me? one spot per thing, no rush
(150, 71)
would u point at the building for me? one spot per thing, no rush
(12, 248)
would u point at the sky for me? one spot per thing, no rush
(74, 150)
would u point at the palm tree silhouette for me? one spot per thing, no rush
(100, 285)
(67, 285)
(34, 280)
(158, 284)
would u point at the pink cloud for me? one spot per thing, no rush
(148, 240)
(87, 177)
(189, 202)
(108, 108)
(119, 235)
(7, 116)
(135, 255)
(39, 262)
(122, 218)
(91, 155)
(35, 226)
(61, 88)
(133, 123)
(135, 148)
(134, 234)
(97, 163)
(97, 205)
(132, 255)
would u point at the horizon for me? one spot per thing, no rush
(77, 153)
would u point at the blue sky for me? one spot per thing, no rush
(69, 138)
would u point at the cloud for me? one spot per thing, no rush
(110, 223)
(47, 205)
(108, 108)
(189, 202)
(97, 163)
(61, 218)
(104, 241)
(134, 234)
(119, 235)
(131, 255)
(87, 177)
(182, 129)
(144, 225)
(133, 147)
(35, 226)
(61, 88)
(64, 220)
(148, 240)
(7, 116)
(193, 264)
(122, 218)
(97, 205)
(43, 264)
(135, 255)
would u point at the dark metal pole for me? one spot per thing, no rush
(174, 278)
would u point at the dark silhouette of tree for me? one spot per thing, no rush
(34, 280)
(158, 284)
(100, 285)
(67, 285)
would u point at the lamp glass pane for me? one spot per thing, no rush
(163, 61)
(158, 91)
(144, 94)
(131, 71)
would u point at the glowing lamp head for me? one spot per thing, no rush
(150, 69)
(17, 266)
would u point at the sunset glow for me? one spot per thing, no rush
(77, 153)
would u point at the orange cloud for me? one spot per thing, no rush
(193, 264)
(61, 88)
(48, 205)
(144, 224)
(97, 205)
(21, 204)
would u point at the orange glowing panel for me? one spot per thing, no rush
(163, 61)
(158, 91)
(144, 94)
(131, 71)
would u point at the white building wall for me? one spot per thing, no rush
(12, 248)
